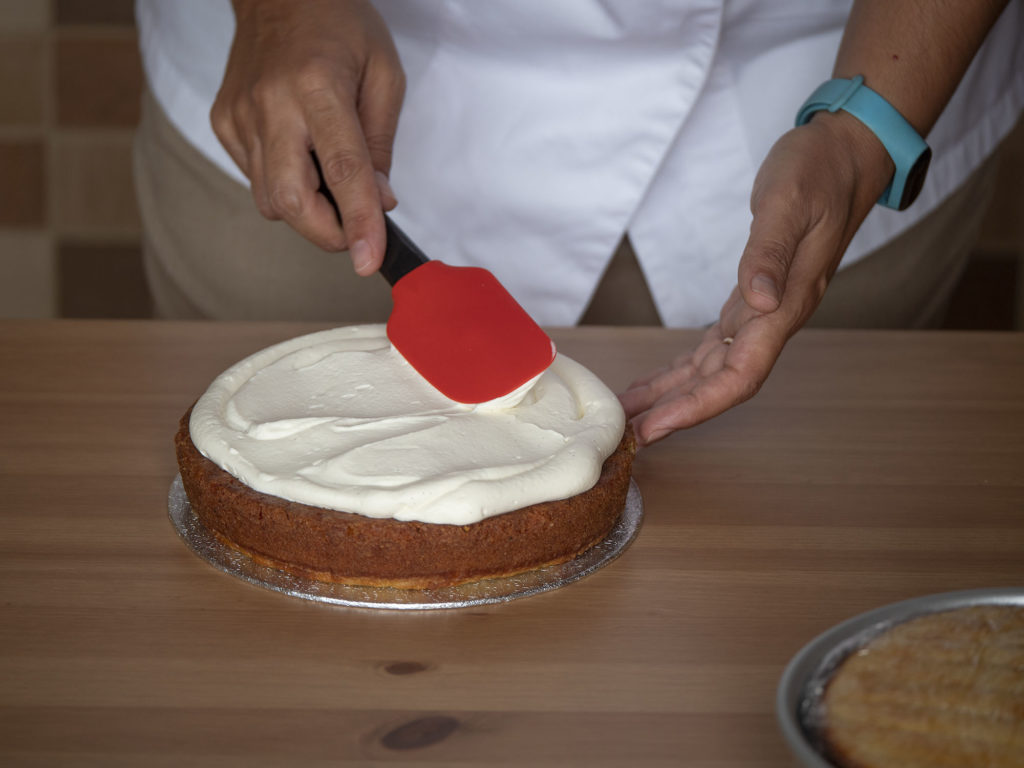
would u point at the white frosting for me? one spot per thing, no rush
(339, 419)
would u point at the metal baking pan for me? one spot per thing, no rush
(805, 677)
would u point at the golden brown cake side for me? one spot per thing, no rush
(350, 548)
(944, 689)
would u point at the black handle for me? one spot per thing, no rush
(401, 255)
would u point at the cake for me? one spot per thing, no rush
(328, 456)
(942, 689)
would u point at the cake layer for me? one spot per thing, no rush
(333, 545)
(339, 420)
(944, 689)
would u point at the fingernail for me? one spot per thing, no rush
(765, 286)
(385, 185)
(287, 202)
(361, 255)
(656, 435)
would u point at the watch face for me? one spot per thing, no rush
(915, 178)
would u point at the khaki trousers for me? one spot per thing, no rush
(209, 254)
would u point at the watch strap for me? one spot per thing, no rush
(909, 152)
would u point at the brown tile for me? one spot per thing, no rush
(27, 285)
(22, 15)
(97, 280)
(91, 186)
(99, 80)
(22, 183)
(22, 79)
(74, 12)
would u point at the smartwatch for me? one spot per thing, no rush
(907, 149)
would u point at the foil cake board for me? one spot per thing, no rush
(203, 543)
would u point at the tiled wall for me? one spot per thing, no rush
(69, 232)
(69, 95)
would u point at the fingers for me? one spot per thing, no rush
(380, 101)
(337, 138)
(222, 120)
(682, 374)
(685, 409)
(290, 184)
(688, 398)
(355, 150)
(257, 181)
(355, 155)
(775, 234)
(644, 391)
(720, 373)
(387, 195)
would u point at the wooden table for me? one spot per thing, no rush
(872, 467)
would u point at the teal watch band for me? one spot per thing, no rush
(908, 150)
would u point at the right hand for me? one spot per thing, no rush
(317, 75)
(811, 194)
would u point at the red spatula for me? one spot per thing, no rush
(458, 326)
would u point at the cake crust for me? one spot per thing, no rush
(344, 547)
(944, 689)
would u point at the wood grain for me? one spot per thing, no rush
(873, 467)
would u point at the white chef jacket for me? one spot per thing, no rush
(535, 133)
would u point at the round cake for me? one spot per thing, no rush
(330, 457)
(943, 689)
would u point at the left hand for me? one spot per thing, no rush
(812, 192)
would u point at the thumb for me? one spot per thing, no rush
(767, 258)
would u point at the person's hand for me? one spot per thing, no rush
(813, 190)
(314, 75)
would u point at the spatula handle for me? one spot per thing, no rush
(401, 255)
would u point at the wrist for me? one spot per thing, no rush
(909, 153)
(259, 10)
(870, 164)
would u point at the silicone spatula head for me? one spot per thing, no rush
(464, 333)
(457, 326)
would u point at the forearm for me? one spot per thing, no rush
(914, 52)
(814, 188)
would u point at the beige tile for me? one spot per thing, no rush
(93, 197)
(22, 79)
(27, 275)
(22, 183)
(22, 15)
(99, 80)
